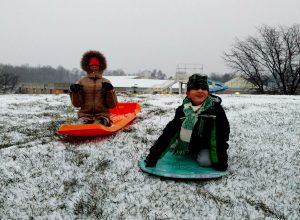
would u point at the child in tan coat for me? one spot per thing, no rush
(94, 94)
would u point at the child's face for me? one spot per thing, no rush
(197, 95)
(94, 68)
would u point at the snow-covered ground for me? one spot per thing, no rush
(44, 176)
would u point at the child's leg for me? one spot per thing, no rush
(203, 158)
(104, 121)
(85, 121)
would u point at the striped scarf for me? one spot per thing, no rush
(191, 115)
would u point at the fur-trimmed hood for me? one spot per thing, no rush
(88, 55)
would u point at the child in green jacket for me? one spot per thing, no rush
(200, 128)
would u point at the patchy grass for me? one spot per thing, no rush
(44, 175)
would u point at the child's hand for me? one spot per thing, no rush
(107, 86)
(150, 162)
(76, 88)
(221, 167)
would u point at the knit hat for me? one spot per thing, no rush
(94, 61)
(197, 81)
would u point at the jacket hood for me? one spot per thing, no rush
(86, 59)
(216, 100)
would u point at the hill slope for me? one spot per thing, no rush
(43, 175)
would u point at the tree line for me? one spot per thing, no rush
(270, 60)
(45, 74)
(11, 75)
(221, 77)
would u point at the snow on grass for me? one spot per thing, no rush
(47, 176)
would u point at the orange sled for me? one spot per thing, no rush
(121, 115)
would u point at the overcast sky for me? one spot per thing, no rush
(134, 35)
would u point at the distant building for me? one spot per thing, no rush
(43, 88)
(132, 84)
(121, 84)
(238, 84)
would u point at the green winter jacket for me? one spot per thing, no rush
(211, 131)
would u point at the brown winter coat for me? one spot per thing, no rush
(93, 100)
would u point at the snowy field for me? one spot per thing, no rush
(45, 176)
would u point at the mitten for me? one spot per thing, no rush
(220, 166)
(76, 88)
(150, 162)
(107, 86)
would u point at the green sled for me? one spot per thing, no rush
(181, 167)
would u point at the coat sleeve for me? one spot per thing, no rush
(223, 130)
(76, 97)
(165, 138)
(111, 99)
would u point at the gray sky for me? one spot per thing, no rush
(134, 35)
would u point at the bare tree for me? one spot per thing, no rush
(269, 60)
(8, 82)
(221, 77)
(242, 59)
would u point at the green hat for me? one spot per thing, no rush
(197, 81)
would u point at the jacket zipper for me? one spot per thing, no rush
(94, 95)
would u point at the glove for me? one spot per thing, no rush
(76, 88)
(220, 166)
(107, 86)
(149, 162)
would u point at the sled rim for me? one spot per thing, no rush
(181, 167)
(121, 116)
